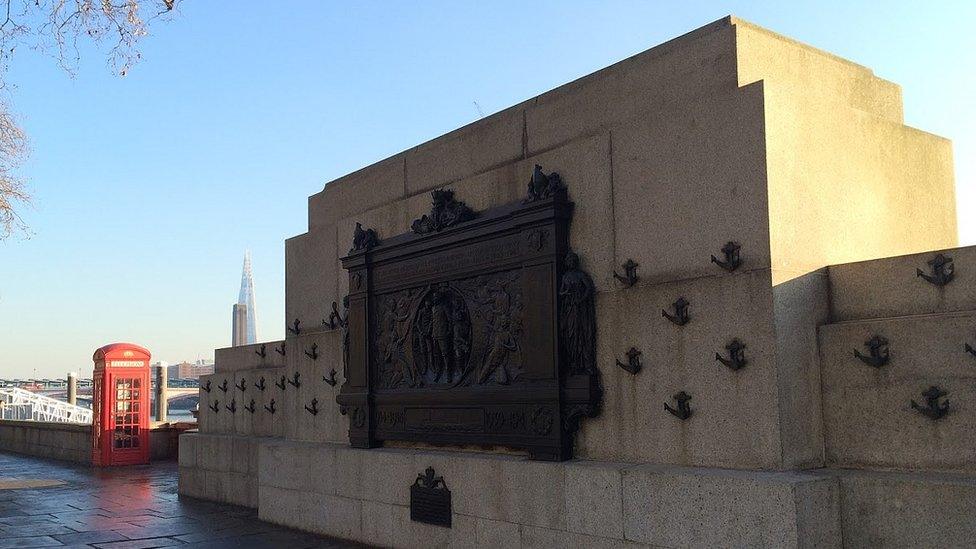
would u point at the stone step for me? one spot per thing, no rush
(869, 420)
(896, 509)
(891, 286)
(508, 501)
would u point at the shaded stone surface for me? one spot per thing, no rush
(126, 507)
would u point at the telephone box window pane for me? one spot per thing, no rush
(135, 442)
(136, 383)
(135, 406)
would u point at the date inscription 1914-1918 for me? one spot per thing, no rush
(473, 328)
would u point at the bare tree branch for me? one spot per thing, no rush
(55, 27)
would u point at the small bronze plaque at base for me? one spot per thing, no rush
(430, 500)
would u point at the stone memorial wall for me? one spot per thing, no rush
(764, 373)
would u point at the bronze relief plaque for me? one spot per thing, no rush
(474, 328)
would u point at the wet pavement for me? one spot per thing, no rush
(45, 503)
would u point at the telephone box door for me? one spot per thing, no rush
(129, 439)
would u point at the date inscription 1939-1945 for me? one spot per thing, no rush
(473, 328)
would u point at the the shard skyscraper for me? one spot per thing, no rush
(244, 312)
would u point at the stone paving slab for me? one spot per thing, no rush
(125, 508)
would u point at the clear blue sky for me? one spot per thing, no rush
(149, 187)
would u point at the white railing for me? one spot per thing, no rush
(21, 404)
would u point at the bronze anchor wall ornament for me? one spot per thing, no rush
(263, 351)
(206, 387)
(629, 277)
(331, 380)
(943, 271)
(223, 386)
(680, 316)
(233, 406)
(282, 384)
(731, 253)
(737, 359)
(295, 327)
(250, 407)
(242, 385)
(969, 349)
(933, 409)
(295, 380)
(878, 354)
(280, 350)
(314, 354)
(215, 406)
(260, 384)
(633, 364)
(271, 409)
(684, 410)
(314, 410)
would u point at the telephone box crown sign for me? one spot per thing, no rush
(121, 351)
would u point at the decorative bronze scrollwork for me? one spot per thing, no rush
(242, 385)
(314, 354)
(737, 358)
(263, 351)
(215, 406)
(629, 278)
(295, 327)
(260, 384)
(943, 271)
(295, 380)
(233, 406)
(314, 410)
(223, 386)
(282, 384)
(680, 316)
(542, 186)
(363, 239)
(933, 409)
(272, 409)
(445, 211)
(878, 354)
(331, 380)
(250, 407)
(633, 364)
(280, 350)
(684, 410)
(732, 260)
(206, 387)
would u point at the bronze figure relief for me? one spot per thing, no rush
(473, 328)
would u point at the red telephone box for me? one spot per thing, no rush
(120, 405)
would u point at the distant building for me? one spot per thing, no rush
(245, 308)
(239, 325)
(188, 370)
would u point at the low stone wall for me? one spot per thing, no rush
(72, 442)
(66, 441)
